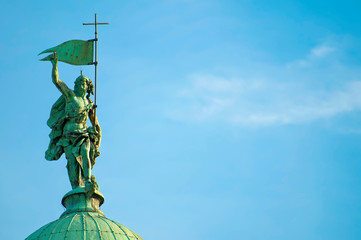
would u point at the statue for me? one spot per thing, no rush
(70, 134)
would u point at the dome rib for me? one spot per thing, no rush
(83, 218)
(96, 224)
(71, 221)
(135, 235)
(120, 227)
(109, 228)
(53, 231)
(45, 228)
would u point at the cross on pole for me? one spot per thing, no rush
(96, 61)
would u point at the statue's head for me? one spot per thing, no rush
(83, 85)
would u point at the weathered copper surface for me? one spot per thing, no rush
(69, 131)
(83, 220)
(76, 52)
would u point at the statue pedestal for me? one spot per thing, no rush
(78, 200)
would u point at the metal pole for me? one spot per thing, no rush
(96, 52)
(96, 62)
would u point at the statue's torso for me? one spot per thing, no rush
(77, 113)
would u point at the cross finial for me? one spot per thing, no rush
(95, 22)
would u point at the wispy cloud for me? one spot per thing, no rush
(268, 101)
(321, 51)
(316, 54)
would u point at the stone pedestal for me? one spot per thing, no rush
(78, 200)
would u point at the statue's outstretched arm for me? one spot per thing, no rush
(63, 88)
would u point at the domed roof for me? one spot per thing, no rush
(84, 225)
(83, 220)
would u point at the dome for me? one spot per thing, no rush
(84, 225)
(82, 219)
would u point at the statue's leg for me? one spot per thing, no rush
(72, 168)
(72, 174)
(84, 151)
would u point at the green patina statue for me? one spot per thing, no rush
(70, 134)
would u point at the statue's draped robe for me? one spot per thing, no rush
(57, 120)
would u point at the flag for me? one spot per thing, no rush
(76, 52)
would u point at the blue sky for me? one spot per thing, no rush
(221, 119)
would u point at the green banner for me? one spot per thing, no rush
(76, 52)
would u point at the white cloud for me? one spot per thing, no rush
(288, 94)
(315, 55)
(253, 102)
(321, 51)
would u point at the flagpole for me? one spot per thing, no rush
(96, 53)
(96, 63)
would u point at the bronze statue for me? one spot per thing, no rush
(70, 134)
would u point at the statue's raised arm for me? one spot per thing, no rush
(63, 88)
